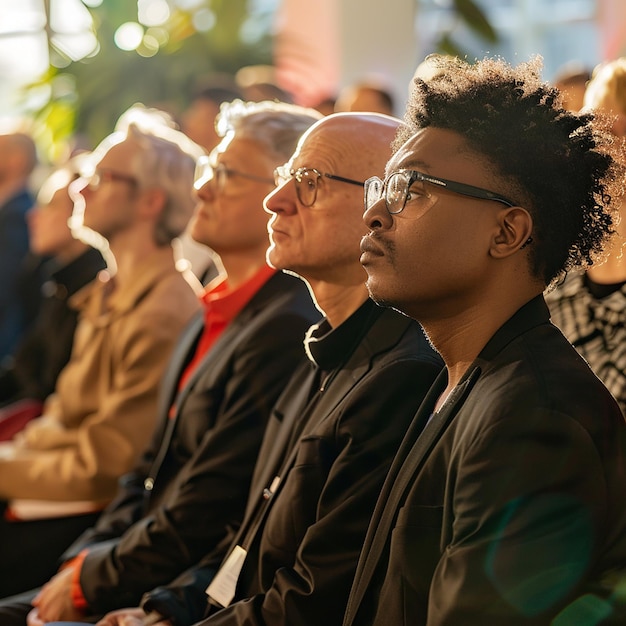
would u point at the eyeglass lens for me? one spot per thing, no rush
(305, 181)
(373, 191)
(306, 186)
(395, 191)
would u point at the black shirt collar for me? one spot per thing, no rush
(329, 348)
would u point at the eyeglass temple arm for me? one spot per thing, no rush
(345, 180)
(468, 190)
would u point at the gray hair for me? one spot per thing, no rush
(275, 125)
(167, 160)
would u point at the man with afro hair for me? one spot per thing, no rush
(509, 508)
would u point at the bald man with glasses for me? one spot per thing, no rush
(307, 181)
(340, 419)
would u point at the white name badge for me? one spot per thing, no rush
(223, 586)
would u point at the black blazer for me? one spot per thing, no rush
(13, 251)
(45, 348)
(303, 543)
(192, 483)
(511, 501)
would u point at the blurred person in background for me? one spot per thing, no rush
(190, 487)
(198, 123)
(259, 83)
(18, 158)
(30, 376)
(590, 306)
(63, 467)
(365, 96)
(326, 106)
(198, 119)
(571, 80)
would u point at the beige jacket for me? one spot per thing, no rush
(103, 412)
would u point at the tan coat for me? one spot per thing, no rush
(103, 412)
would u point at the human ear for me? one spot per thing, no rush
(153, 200)
(514, 232)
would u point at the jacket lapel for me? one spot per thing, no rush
(417, 445)
(179, 358)
(183, 352)
(213, 356)
(279, 445)
(385, 333)
(218, 350)
(425, 430)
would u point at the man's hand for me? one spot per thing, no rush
(127, 617)
(54, 601)
(33, 619)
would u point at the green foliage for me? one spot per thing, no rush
(474, 17)
(86, 97)
(470, 15)
(446, 45)
(107, 83)
(55, 128)
(55, 121)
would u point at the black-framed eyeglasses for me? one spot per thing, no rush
(307, 179)
(407, 187)
(102, 176)
(207, 171)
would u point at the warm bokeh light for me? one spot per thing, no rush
(188, 5)
(148, 47)
(153, 12)
(203, 20)
(25, 16)
(159, 34)
(69, 16)
(128, 36)
(314, 46)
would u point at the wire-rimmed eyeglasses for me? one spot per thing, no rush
(407, 187)
(307, 179)
(207, 171)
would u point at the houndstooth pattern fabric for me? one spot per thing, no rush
(596, 328)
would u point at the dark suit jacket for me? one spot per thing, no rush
(45, 348)
(303, 542)
(193, 481)
(13, 250)
(510, 502)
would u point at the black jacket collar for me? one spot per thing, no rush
(329, 347)
(532, 314)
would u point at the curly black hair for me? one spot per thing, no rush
(562, 167)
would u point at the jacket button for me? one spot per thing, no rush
(148, 484)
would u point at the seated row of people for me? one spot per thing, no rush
(69, 264)
(103, 409)
(359, 479)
